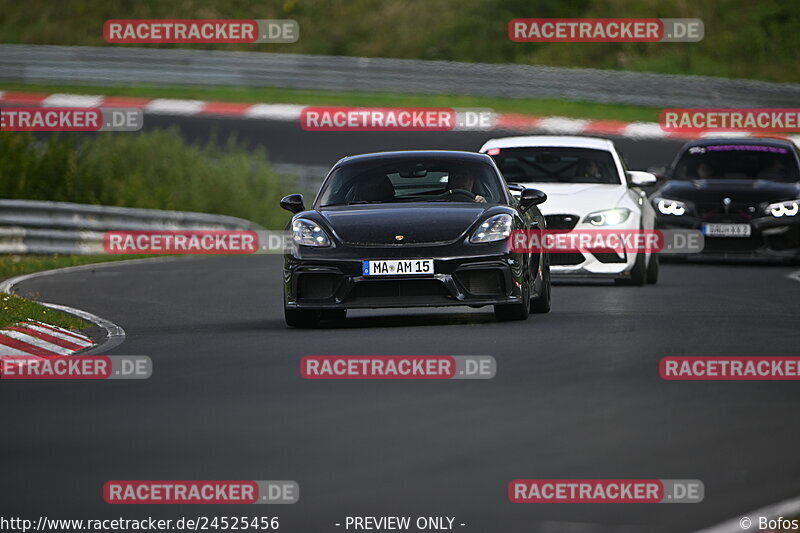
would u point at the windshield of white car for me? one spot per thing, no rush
(556, 165)
(397, 180)
(737, 161)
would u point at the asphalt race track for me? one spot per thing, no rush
(286, 142)
(577, 392)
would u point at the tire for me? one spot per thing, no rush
(301, 318)
(652, 269)
(520, 311)
(638, 274)
(541, 304)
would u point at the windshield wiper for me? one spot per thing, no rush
(354, 203)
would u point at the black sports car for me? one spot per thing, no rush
(743, 193)
(413, 229)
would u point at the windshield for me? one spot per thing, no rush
(557, 165)
(737, 161)
(412, 180)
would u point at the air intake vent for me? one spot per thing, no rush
(317, 286)
(482, 282)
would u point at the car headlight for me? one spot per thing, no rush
(608, 217)
(494, 228)
(670, 207)
(309, 233)
(789, 208)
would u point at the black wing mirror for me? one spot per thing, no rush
(531, 197)
(293, 203)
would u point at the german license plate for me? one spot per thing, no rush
(398, 267)
(727, 230)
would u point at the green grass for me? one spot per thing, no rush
(15, 309)
(743, 38)
(155, 169)
(528, 106)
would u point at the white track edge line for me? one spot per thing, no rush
(115, 335)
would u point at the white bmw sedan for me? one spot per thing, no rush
(588, 187)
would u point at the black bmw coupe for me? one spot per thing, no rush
(743, 193)
(412, 229)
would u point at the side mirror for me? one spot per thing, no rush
(293, 203)
(641, 179)
(658, 172)
(531, 197)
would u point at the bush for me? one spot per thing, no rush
(157, 169)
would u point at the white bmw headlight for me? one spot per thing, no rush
(670, 207)
(309, 233)
(494, 228)
(789, 208)
(608, 217)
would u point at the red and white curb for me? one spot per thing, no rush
(291, 113)
(39, 339)
(34, 338)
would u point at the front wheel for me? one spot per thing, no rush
(638, 274)
(520, 311)
(541, 304)
(652, 269)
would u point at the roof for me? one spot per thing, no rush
(571, 141)
(415, 154)
(759, 141)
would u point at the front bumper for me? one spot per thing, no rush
(597, 264)
(770, 238)
(333, 278)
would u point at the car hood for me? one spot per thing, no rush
(738, 190)
(578, 198)
(380, 224)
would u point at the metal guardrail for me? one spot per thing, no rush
(37, 227)
(109, 66)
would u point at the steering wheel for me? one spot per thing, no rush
(461, 192)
